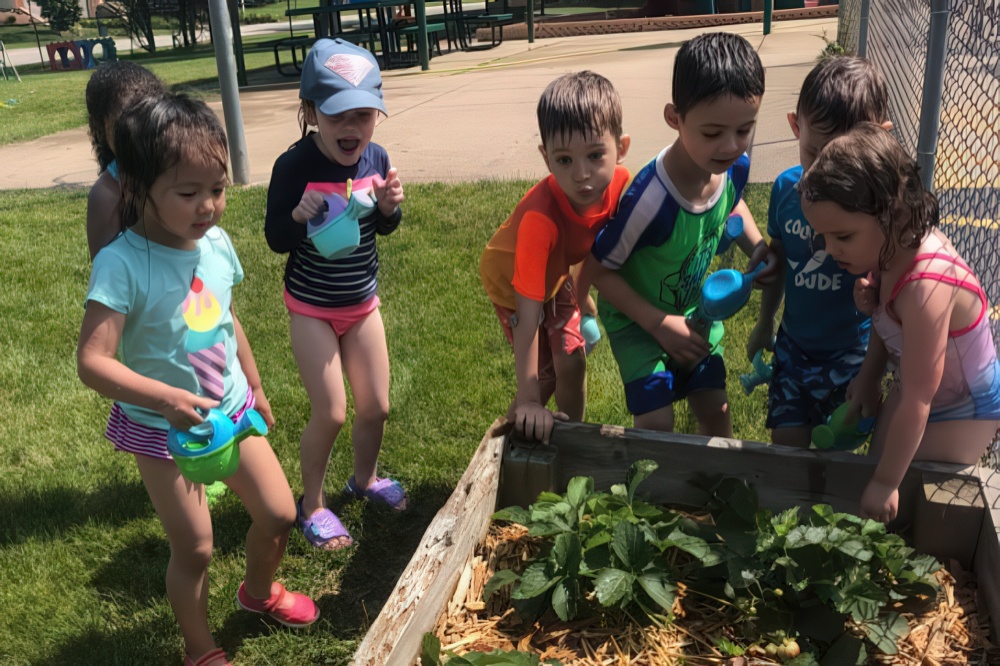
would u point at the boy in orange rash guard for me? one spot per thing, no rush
(528, 266)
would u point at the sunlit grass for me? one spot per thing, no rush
(82, 554)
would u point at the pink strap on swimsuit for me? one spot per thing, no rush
(964, 283)
(970, 356)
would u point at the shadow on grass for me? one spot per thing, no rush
(48, 513)
(152, 641)
(384, 547)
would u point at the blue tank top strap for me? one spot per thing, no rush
(112, 169)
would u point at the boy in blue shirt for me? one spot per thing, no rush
(651, 259)
(822, 338)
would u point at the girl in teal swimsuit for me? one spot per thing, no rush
(932, 326)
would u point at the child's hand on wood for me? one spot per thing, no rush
(311, 205)
(677, 339)
(533, 421)
(388, 192)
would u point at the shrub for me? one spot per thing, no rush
(61, 14)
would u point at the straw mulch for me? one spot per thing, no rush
(948, 634)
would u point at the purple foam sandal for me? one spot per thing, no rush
(323, 529)
(386, 491)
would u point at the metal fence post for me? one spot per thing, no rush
(222, 36)
(866, 6)
(930, 106)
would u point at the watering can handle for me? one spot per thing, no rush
(321, 216)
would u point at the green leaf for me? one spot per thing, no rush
(612, 585)
(659, 587)
(696, 546)
(629, 544)
(565, 596)
(498, 580)
(566, 553)
(848, 650)
(535, 581)
(578, 490)
(886, 632)
(514, 514)
(863, 599)
(638, 472)
(430, 650)
(728, 648)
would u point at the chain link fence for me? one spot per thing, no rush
(967, 157)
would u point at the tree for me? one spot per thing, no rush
(61, 14)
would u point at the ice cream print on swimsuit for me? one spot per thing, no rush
(204, 345)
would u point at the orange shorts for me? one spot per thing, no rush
(559, 327)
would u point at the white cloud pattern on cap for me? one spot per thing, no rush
(351, 68)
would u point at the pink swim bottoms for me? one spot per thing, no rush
(340, 319)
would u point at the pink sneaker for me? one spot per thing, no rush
(291, 609)
(216, 657)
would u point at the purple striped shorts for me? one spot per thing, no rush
(132, 437)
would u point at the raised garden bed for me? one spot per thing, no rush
(949, 511)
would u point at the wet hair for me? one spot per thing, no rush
(156, 135)
(114, 87)
(865, 170)
(842, 91)
(713, 65)
(583, 102)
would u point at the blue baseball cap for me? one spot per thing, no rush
(339, 76)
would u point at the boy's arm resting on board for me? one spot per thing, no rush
(762, 334)
(98, 368)
(531, 418)
(103, 213)
(249, 365)
(670, 331)
(924, 310)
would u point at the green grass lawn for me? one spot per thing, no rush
(46, 102)
(82, 554)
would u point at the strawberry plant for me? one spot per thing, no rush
(612, 548)
(794, 585)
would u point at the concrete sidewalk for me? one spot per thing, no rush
(472, 115)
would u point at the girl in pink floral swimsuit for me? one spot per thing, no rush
(864, 195)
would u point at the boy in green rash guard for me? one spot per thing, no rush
(651, 259)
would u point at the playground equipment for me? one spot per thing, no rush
(843, 431)
(79, 54)
(208, 452)
(336, 232)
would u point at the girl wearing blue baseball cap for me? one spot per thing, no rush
(338, 182)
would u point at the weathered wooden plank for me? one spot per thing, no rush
(783, 476)
(428, 581)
